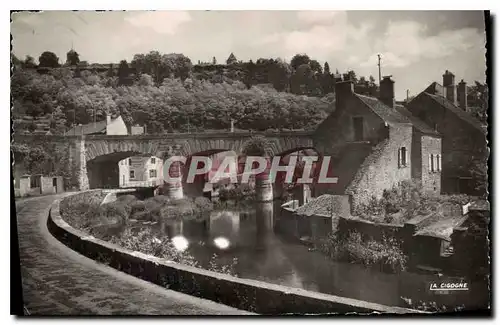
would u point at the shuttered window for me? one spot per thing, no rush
(431, 162)
(402, 157)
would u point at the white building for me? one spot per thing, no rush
(140, 171)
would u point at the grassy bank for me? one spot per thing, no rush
(109, 222)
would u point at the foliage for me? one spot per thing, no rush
(224, 268)
(146, 242)
(386, 255)
(72, 58)
(256, 146)
(408, 201)
(80, 210)
(48, 60)
(236, 193)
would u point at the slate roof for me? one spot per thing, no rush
(91, 128)
(460, 113)
(415, 121)
(386, 113)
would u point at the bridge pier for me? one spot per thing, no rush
(174, 190)
(263, 188)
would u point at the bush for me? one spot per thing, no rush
(146, 242)
(129, 199)
(114, 213)
(387, 255)
(82, 210)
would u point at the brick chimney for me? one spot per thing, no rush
(387, 91)
(449, 87)
(343, 90)
(462, 95)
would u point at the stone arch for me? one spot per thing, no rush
(190, 147)
(97, 148)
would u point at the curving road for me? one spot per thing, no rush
(58, 281)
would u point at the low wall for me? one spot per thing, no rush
(251, 295)
(370, 230)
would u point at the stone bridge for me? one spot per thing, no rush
(96, 156)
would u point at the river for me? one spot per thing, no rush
(246, 239)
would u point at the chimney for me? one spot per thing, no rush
(387, 91)
(462, 95)
(232, 125)
(449, 87)
(108, 119)
(343, 90)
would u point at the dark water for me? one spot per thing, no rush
(263, 254)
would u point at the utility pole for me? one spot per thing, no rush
(379, 71)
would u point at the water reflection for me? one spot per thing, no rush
(248, 236)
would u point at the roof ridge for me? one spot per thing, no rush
(462, 115)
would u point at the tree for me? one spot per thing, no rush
(231, 59)
(29, 62)
(72, 58)
(477, 101)
(48, 60)
(298, 60)
(326, 69)
(315, 67)
(123, 73)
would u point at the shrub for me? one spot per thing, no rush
(226, 268)
(129, 199)
(82, 210)
(387, 255)
(137, 207)
(146, 242)
(203, 204)
(114, 213)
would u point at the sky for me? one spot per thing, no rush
(416, 47)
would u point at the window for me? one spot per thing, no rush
(402, 157)
(153, 160)
(152, 173)
(54, 181)
(35, 181)
(130, 161)
(132, 174)
(435, 163)
(358, 128)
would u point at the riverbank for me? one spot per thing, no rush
(215, 286)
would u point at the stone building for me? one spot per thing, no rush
(374, 144)
(444, 109)
(140, 171)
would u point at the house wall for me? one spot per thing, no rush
(460, 141)
(116, 127)
(141, 167)
(338, 129)
(381, 170)
(431, 181)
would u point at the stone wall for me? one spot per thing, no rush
(431, 180)
(256, 296)
(460, 140)
(381, 170)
